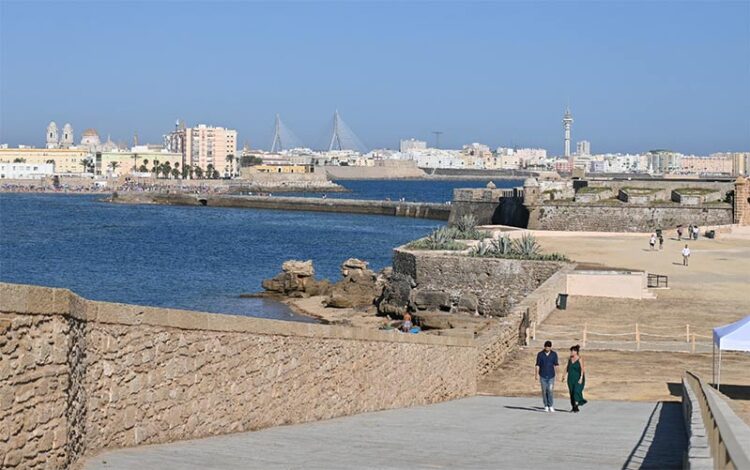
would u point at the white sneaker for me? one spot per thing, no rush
(546, 408)
(551, 409)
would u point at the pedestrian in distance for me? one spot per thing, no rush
(575, 371)
(685, 255)
(545, 370)
(696, 232)
(652, 241)
(661, 242)
(679, 232)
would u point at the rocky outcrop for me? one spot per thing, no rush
(297, 279)
(396, 298)
(358, 288)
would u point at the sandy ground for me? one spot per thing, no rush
(714, 290)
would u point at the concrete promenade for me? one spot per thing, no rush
(473, 433)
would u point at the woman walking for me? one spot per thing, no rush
(576, 376)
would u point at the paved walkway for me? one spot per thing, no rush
(473, 433)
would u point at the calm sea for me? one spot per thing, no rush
(197, 258)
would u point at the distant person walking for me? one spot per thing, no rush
(575, 370)
(661, 241)
(685, 255)
(652, 241)
(696, 232)
(545, 369)
(679, 232)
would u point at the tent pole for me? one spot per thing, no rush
(713, 363)
(718, 378)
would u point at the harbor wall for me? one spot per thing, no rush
(78, 376)
(419, 210)
(382, 170)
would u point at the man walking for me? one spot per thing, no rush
(546, 367)
(685, 255)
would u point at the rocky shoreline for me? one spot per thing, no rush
(366, 299)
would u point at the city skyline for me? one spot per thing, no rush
(498, 85)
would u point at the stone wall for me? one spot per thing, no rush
(490, 206)
(622, 217)
(77, 376)
(498, 283)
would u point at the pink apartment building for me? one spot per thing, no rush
(204, 145)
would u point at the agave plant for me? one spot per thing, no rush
(527, 246)
(467, 223)
(483, 249)
(502, 246)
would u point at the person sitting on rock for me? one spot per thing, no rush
(407, 324)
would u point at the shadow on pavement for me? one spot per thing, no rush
(538, 409)
(663, 441)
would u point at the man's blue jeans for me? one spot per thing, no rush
(547, 385)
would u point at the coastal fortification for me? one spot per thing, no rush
(78, 376)
(605, 205)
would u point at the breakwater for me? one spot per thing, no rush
(419, 210)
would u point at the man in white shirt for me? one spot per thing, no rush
(685, 255)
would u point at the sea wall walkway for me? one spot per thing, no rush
(418, 210)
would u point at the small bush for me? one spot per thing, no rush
(466, 228)
(443, 238)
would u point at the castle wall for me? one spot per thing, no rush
(624, 217)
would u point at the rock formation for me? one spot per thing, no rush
(395, 300)
(297, 279)
(358, 288)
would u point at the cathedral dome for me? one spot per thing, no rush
(90, 133)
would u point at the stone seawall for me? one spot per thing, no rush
(77, 376)
(622, 217)
(419, 210)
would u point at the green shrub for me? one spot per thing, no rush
(524, 248)
(443, 238)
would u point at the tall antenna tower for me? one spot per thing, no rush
(437, 138)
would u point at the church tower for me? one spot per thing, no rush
(67, 137)
(53, 139)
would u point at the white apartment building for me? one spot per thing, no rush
(583, 148)
(203, 146)
(25, 171)
(407, 145)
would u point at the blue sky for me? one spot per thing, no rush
(637, 75)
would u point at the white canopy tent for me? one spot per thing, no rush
(732, 337)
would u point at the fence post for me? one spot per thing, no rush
(637, 338)
(583, 339)
(687, 333)
(692, 348)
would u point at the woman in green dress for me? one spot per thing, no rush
(576, 374)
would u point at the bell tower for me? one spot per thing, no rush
(53, 138)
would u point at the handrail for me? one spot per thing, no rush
(725, 430)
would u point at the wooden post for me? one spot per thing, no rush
(687, 333)
(692, 348)
(637, 338)
(583, 339)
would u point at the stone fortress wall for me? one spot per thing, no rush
(77, 376)
(606, 206)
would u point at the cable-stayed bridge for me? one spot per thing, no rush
(339, 137)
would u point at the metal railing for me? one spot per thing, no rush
(728, 436)
(656, 281)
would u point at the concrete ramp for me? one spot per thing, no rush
(473, 433)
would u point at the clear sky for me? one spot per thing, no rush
(637, 75)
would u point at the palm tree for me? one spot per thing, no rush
(113, 166)
(135, 162)
(198, 172)
(155, 169)
(19, 160)
(85, 164)
(175, 172)
(166, 169)
(187, 172)
(230, 159)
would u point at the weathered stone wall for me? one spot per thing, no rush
(490, 206)
(78, 376)
(498, 283)
(621, 217)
